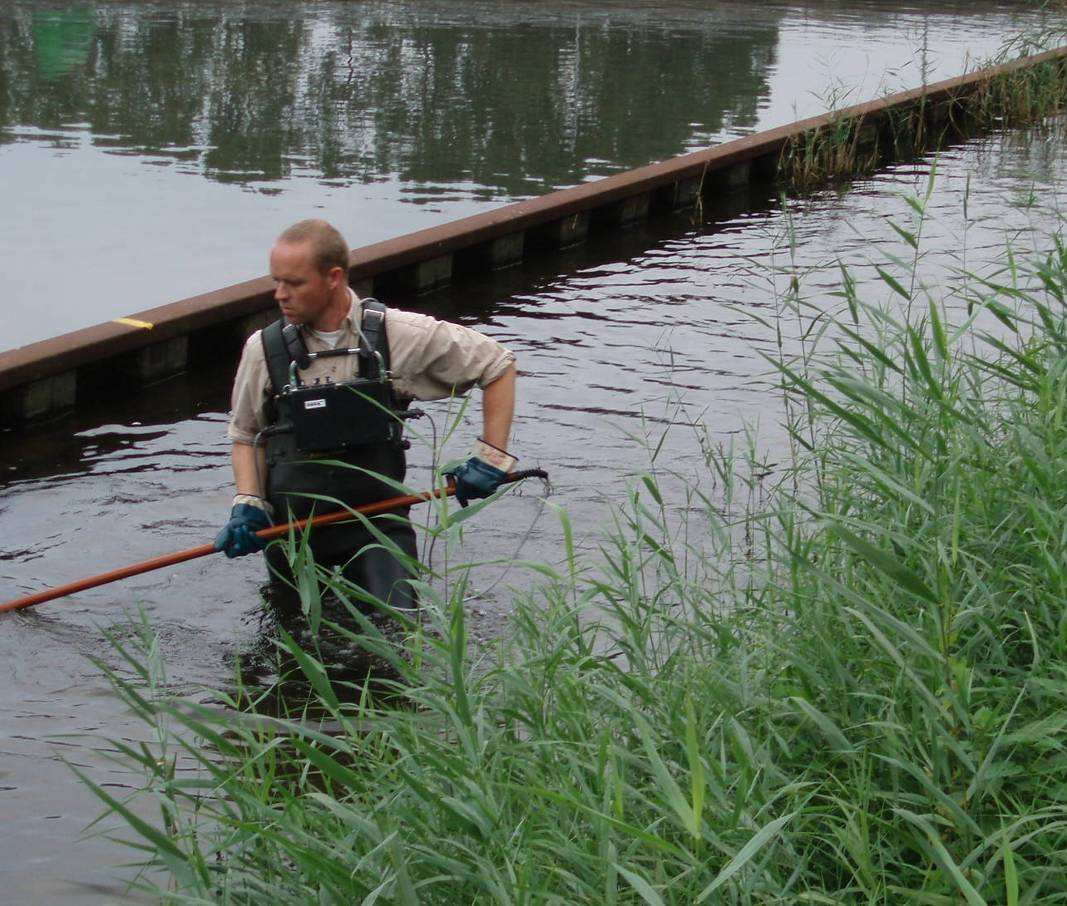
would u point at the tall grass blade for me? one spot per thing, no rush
(744, 855)
(941, 855)
(639, 884)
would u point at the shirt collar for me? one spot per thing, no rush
(355, 312)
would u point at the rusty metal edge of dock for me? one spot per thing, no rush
(40, 361)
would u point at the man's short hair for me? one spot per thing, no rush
(328, 246)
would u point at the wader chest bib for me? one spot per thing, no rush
(292, 471)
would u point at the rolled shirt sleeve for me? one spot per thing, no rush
(434, 359)
(250, 387)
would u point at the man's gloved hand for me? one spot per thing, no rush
(476, 479)
(483, 473)
(238, 536)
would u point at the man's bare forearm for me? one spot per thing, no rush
(249, 469)
(498, 409)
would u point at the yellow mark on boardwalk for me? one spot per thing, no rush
(133, 322)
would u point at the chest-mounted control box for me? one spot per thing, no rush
(339, 415)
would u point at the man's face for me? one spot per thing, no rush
(301, 291)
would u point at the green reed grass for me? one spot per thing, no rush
(1032, 94)
(848, 686)
(842, 148)
(847, 146)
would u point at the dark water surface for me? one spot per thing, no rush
(159, 143)
(150, 151)
(663, 322)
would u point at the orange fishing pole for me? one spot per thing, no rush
(267, 534)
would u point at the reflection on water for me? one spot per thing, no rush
(514, 102)
(62, 39)
(161, 146)
(664, 321)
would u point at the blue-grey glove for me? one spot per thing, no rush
(238, 536)
(476, 479)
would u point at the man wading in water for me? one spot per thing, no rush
(284, 431)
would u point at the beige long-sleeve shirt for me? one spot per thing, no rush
(429, 359)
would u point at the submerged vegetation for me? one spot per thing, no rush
(848, 685)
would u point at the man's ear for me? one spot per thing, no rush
(335, 277)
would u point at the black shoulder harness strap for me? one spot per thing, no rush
(280, 350)
(277, 355)
(373, 328)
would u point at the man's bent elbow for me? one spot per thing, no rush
(510, 372)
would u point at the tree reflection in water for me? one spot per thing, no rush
(515, 98)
